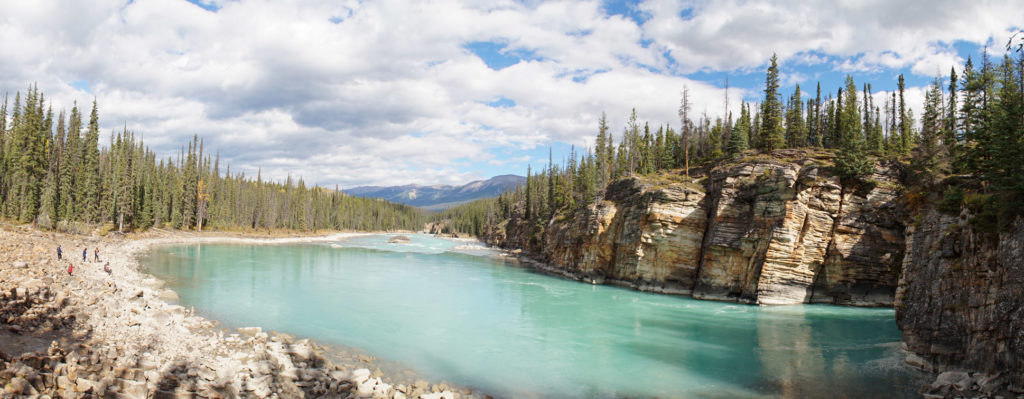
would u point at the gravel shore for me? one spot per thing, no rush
(94, 334)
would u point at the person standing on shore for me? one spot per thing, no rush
(85, 254)
(96, 254)
(59, 254)
(106, 268)
(71, 269)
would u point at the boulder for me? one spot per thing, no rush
(399, 240)
(956, 379)
(19, 386)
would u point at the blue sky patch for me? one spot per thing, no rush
(501, 102)
(625, 8)
(205, 4)
(82, 85)
(497, 55)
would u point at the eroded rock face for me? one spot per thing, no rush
(960, 301)
(768, 232)
(646, 237)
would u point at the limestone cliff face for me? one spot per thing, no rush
(764, 231)
(960, 301)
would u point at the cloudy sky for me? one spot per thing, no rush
(444, 92)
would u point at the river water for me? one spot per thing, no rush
(455, 311)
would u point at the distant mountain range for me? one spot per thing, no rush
(440, 196)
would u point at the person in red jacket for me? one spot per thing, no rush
(106, 268)
(71, 269)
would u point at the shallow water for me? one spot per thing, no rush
(454, 311)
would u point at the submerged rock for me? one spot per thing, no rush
(399, 240)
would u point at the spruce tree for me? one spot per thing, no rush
(69, 167)
(927, 160)
(738, 139)
(90, 176)
(601, 152)
(905, 139)
(796, 132)
(951, 137)
(852, 161)
(684, 120)
(771, 110)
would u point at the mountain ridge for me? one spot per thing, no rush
(439, 196)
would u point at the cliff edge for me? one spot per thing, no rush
(778, 230)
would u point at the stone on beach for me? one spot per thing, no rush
(117, 335)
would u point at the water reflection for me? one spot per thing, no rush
(487, 323)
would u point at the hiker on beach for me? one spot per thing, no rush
(96, 254)
(106, 268)
(71, 269)
(85, 254)
(59, 254)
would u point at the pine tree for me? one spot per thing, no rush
(90, 172)
(715, 139)
(69, 167)
(852, 161)
(951, 137)
(602, 152)
(796, 132)
(738, 140)
(872, 129)
(631, 138)
(905, 140)
(684, 120)
(771, 110)
(928, 161)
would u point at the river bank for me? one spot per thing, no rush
(119, 334)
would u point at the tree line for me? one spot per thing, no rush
(55, 174)
(970, 130)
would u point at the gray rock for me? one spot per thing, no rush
(19, 386)
(399, 240)
(958, 379)
(250, 330)
(989, 383)
(260, 386)
(360, 375)
(133, 389)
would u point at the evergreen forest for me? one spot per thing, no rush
(55, 174)
(965, 151)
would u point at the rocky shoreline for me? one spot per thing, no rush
(94, 334)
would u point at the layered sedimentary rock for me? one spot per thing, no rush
(643, 236)
(960, 301)
(762, 231)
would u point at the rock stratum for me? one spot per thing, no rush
(785, 230)
(764, 231)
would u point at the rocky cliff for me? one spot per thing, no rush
(960, 301)
(777, 230)
(785, 230)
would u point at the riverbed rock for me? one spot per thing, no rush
(99, 335)
(399, 240)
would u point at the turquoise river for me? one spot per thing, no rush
(454, 311)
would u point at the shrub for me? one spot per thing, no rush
(952, 200)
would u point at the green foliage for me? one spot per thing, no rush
(952, 200)
(738, 139)
(67, 182)
(852, 161)
(771, 110)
